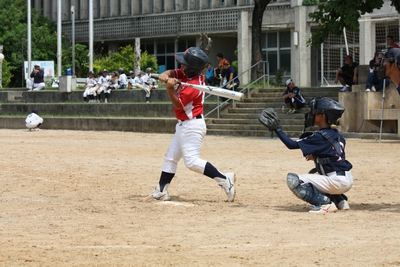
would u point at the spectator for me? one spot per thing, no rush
(347, 75)
(373, 82)
(91, 88)
(390, 42)
(229, 74)
(293, 98)
(390, 67)
(123, 80)
(38, 79)
(133, 80)
(232, 81)
(143, 83)
(210, 78)
(220, 67)
(33, 121)
(150, 80)
(113, 84)
(103, 82)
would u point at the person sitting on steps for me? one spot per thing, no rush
(294, 100)
(347, 75)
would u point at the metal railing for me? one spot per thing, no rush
(246, 89)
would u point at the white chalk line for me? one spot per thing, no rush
(174, 203)
(46, 179)
(153, 247)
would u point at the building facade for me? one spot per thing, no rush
(167, 26)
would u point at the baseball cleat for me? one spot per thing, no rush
(331, 207)
(343, 205)
(164, 195)
(228, 185)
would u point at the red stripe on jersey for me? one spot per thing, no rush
(191, 99)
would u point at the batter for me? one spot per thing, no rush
(191, 128)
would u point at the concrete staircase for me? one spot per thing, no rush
(241, 120)
(127, 111)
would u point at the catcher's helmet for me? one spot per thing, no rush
(195, 59)
(324, 105)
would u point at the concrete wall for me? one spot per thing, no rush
(362, 107)
(148, 125)
(77, 96)
(164, 110)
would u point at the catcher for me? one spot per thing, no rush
(325, 188)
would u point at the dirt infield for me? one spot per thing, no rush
(72, 198)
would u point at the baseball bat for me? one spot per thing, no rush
(212, 90)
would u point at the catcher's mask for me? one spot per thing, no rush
(392, 55)
(195, 59)
(324, 105)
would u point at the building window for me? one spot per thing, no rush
(276, 50)
(164, 50)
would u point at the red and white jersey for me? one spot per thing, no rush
(191, 100)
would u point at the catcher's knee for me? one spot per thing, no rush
(305, 191)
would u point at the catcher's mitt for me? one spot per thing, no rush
(270, 119)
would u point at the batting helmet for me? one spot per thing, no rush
(324, 105)
(195, 59)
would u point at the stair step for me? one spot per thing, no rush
(277, 96)
(251, 133)
(257, 110)
(252, 127)
(242, 120)
(254, 120)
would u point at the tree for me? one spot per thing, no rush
(6, 73)
(334, 15)
(81, 60)
(125, 59)
(256, 41)
(13, 35)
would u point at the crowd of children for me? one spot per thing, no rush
(99, 89)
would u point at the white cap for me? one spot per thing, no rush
(289, 81)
